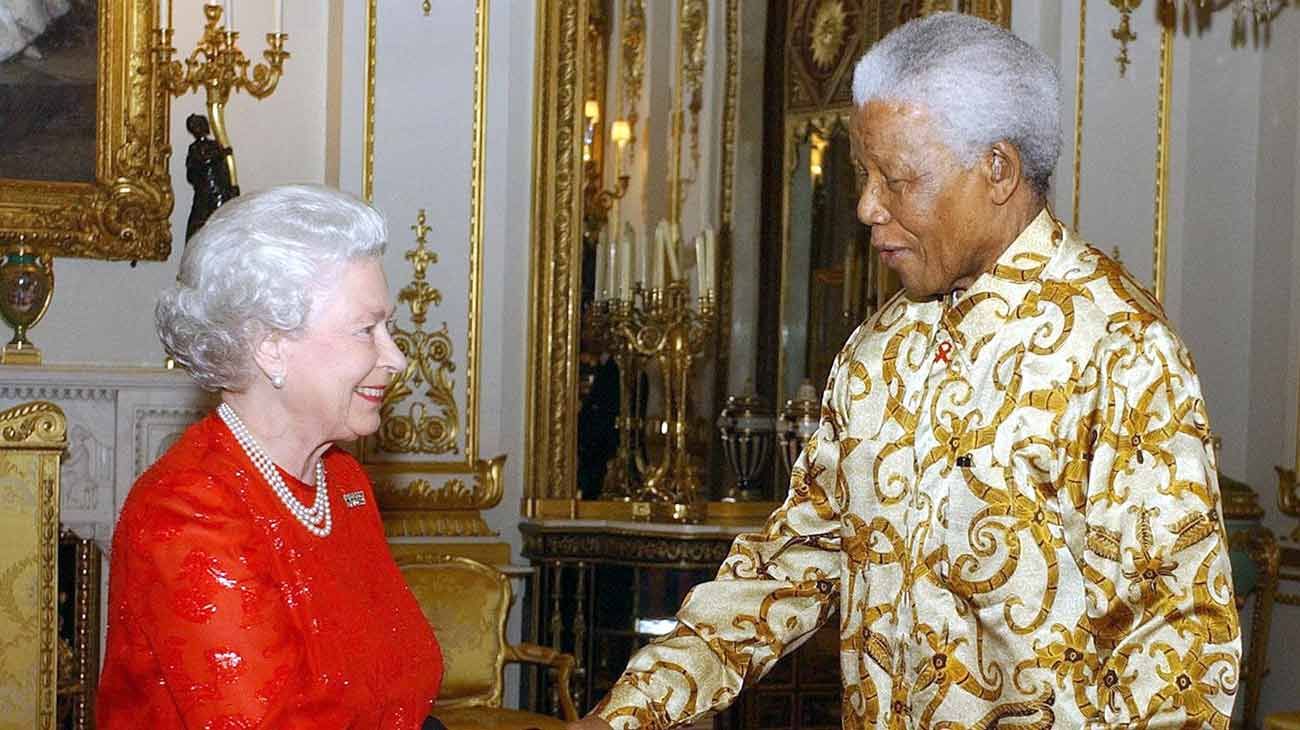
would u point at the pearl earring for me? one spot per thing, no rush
(277, 381)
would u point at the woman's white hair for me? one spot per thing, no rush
(978, 81)
(257, 267)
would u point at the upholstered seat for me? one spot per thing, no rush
(1282, 721)
(467, 602)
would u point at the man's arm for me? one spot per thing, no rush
(773, 590)
(1159, 584)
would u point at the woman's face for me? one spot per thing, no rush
(336, 371)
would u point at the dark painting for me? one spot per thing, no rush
(48, 69)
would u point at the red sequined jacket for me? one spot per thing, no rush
(226, 614)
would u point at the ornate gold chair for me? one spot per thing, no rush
(467, 602)
(32, 436)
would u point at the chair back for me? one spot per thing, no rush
(466, 602)
(32, 438)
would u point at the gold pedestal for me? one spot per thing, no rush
(22, 353)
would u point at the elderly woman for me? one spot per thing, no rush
(251, 585)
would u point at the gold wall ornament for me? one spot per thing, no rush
(994, 11)
(693, 54)
(829, 30)
(429, 363)
(1124, 31)
(123, 213)
(632, 62)
(26, 287)
(414, 506)
(218, 66)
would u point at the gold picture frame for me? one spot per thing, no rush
(124, 214)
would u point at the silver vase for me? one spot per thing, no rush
(795, 424)
(748, 434)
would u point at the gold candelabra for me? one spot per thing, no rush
(669, 327)
(612, 316)
(218, 66)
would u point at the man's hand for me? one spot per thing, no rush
(589, 723)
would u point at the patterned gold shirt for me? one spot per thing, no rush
(1010, 501)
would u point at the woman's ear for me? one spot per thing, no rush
(269, 355)
(1004, 171)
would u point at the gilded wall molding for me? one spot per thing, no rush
(553, 386)
(368, 114)
(692, 57)
(1078, 112)
(1163, 112)
(632, 59)
(726, 214)
(438, 502)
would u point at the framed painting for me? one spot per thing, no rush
(83, 130)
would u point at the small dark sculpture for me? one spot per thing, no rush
(207, 171)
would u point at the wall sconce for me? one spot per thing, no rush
(602, 205)
(816, 153)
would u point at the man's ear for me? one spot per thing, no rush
(269, 355)
(1002, 166)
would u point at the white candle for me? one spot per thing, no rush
(710, 248)
(601, 270)
(673, 240)
(626, 269)
(657, 260)
(611, 273)
(645, 253)
(698, 244)
(633, 253)
(279, 17)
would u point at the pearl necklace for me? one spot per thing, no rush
(317, 518)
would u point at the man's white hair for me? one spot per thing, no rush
(258, 266)
(979, 83)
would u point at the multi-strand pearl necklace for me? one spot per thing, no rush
(317, 518)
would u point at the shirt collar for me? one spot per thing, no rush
(974, 316)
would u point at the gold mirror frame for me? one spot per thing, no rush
(550, 483)
(125, 213)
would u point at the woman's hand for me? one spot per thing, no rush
(589, 723)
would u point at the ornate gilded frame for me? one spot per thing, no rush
(550, 464)
(125, 213)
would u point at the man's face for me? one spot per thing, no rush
(927, 212)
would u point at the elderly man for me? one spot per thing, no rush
(1011, 499)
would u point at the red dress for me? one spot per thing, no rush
(226, 614)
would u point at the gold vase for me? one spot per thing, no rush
(26, 286)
